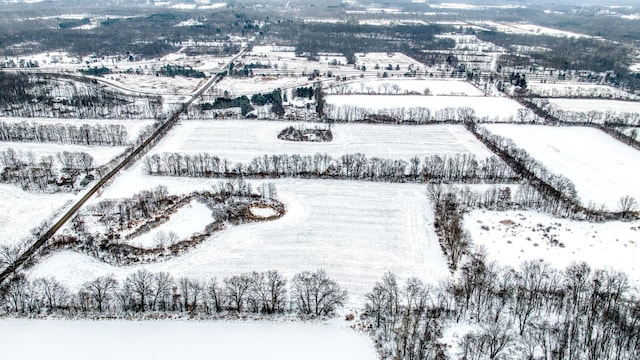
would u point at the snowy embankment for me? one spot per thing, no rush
(242, 340)
(356, 231)
(602, 169)
(243, 140)
(512, 237)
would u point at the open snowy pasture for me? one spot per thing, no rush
(134, 127)
(101, 154)
(493, 108)
(283, 60)
(21, 211)
(403, 86)
(258, 84)
(602, 169)
(356, 231)
(585, 105)
(152, 84)
(578, 90)
(530, 29)
(370, 60)
(242, 340)
(512, 237)
(243, 140)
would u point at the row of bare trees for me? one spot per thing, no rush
(532, 312)
(418, 115)
(588, 117)
(29, 173)
(105, 135)
(270, 292)
(458, 168)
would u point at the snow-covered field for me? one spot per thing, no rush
(394, 87)
(370, 60)
(577, 89)
(242, 340)
(152, 84)
(532, 236)
(499, 108)
(243, 140)
(585, 105)
(134, 127)
(20, 211)
(530, 29)
(259, 84)
(602, 168)
(356, 231)
(283, 60)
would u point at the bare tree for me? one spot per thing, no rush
(101, 290)
(141, 284)
(316, 294)
(236, 288)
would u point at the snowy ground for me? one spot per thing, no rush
(152, 84)
(134, 127)
(531, 237)
(20, 211)
(356, 231)
(584, 105)
(530, 29)
(242, 340)
(370, 60)
(259, 84)
(243, 140)
(387, 86)
(499, 108)
(602, 168)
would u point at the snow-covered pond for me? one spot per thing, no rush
(96, 340)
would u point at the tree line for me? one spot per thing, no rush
(309, 294)
(458, 168)
(416, 115)
(104, 135)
